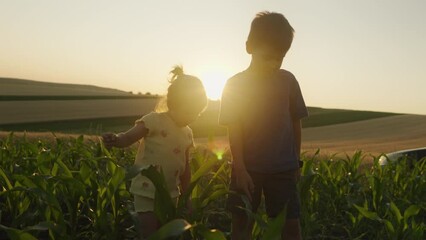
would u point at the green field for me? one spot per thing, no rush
(75, 189)
(323, 117)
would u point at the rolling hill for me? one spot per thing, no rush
(22, 87)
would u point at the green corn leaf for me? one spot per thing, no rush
(204, 169)
(213, 234)
(48, 225)
(206, 193)
(396, 211)
(214, 195)
(64, 167)
(173, 228)
(412, 210)
(351, 218)
(389, 226)
(164, 206)
(305, 185)
(274, 229)
(326, 167)
(111, 166)
(105, 150)
(367, 214)
(16, 234)
(250, 214)
(6, 179)
(85, 172)
(308, 166)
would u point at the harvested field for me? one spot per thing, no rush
(374, 136)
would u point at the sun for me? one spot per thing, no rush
(214, 83)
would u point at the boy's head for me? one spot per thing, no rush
(270, 29)
(270, 37)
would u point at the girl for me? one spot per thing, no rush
(166, 141)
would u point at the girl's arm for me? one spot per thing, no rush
(127, 138)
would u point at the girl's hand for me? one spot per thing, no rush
(110, 140)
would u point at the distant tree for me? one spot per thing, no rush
(148, 93)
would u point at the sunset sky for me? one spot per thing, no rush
(363, 55)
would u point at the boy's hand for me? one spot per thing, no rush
(110, 140)
(298, 175)
(245, 183)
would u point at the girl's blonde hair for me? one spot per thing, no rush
(185, 91)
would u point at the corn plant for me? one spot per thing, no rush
(76, 189)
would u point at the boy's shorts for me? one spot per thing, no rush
(278, 189)
(145, 204)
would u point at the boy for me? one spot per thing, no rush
(262, 108)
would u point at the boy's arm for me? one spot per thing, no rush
(243, 179)
(127, 138)
(297, 129)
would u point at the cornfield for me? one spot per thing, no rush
(76, 189)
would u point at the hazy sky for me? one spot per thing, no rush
(364, 54)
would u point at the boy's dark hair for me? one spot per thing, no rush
(270, 28)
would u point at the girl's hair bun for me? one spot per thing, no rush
(185, 91)
(176, 72)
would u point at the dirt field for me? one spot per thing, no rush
(373, 137)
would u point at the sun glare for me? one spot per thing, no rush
(214, 83)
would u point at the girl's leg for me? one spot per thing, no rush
(241, 227)
(148, 224)
(147, 221)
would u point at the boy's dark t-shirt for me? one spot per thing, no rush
(264, 108)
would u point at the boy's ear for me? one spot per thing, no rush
(249, 47)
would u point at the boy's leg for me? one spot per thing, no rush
(292, 230)
(280, 191)
(241, 227)
(241, 224)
